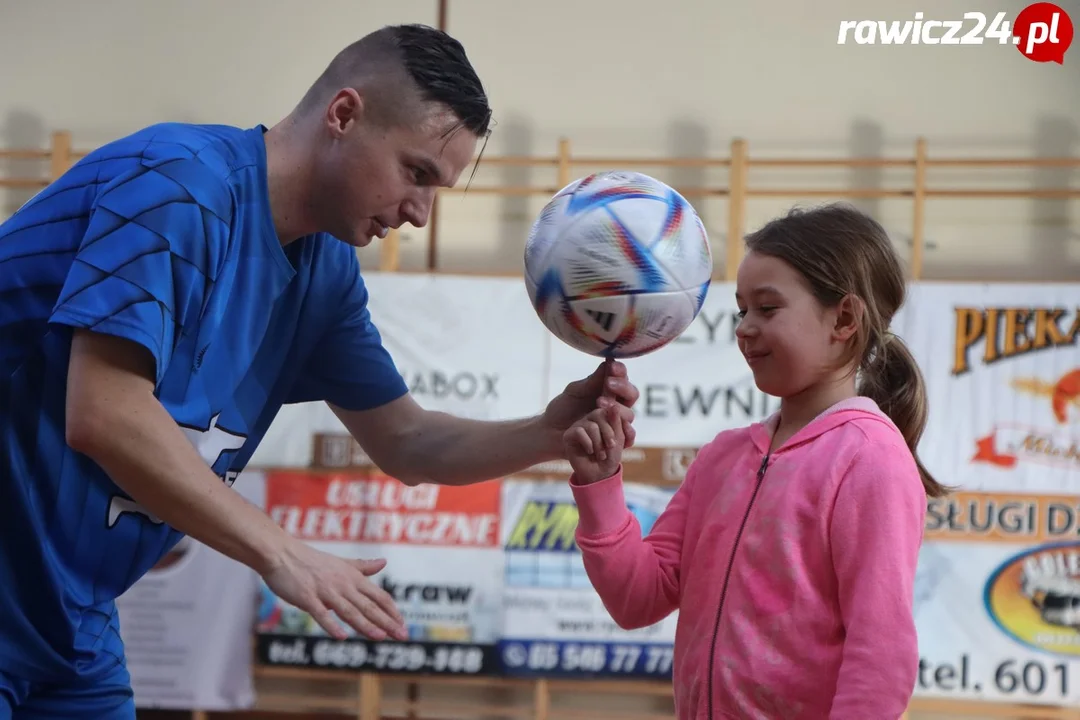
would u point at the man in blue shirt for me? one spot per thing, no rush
(163, 299)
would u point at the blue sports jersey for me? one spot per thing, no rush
(165, 238)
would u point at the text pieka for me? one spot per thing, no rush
(1008, 332)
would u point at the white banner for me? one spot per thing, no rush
(1002, 367)
(186, 626)
(472, 349)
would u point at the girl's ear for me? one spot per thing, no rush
(849, 312)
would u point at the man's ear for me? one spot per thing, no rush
(345, 111)
(848, 312)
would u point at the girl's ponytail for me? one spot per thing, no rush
(892, 379)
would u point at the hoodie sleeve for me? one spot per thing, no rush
(636, 578)
(876, 531)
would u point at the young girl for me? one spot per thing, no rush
(790, 549)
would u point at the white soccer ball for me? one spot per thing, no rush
(617, 264)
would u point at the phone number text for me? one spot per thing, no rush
(547, 657)
(365, 655)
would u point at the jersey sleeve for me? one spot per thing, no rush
(151, 252)
(349, 367)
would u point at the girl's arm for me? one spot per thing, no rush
(876, 532)
(636, 578)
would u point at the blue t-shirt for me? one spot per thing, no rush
(165, 238)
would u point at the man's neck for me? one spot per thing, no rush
(288, 177)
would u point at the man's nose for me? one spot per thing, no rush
(417, 210)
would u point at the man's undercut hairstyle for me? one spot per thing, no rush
(395, 59)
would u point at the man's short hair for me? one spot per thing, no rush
(435, 62)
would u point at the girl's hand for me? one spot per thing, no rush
(594, 444)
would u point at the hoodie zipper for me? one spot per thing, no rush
(727, 576)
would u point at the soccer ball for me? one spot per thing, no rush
(617, 264)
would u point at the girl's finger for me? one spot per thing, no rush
(593, 429)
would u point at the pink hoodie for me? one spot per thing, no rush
(762, 556)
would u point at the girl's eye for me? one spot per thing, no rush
(764, 310)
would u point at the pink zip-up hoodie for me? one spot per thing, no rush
(793, 573)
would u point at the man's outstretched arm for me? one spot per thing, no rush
(416, 445)
(114, 419)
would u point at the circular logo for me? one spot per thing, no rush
(1043, 32)
(1034, 598)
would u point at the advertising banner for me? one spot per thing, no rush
(444, 570)
(998, 599)
(1002, 369)
(998, 591)
(555, 623)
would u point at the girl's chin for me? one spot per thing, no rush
(766, 382)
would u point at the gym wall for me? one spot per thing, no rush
(627, 78)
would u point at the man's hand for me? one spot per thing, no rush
(607, 386)
(323, 585)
